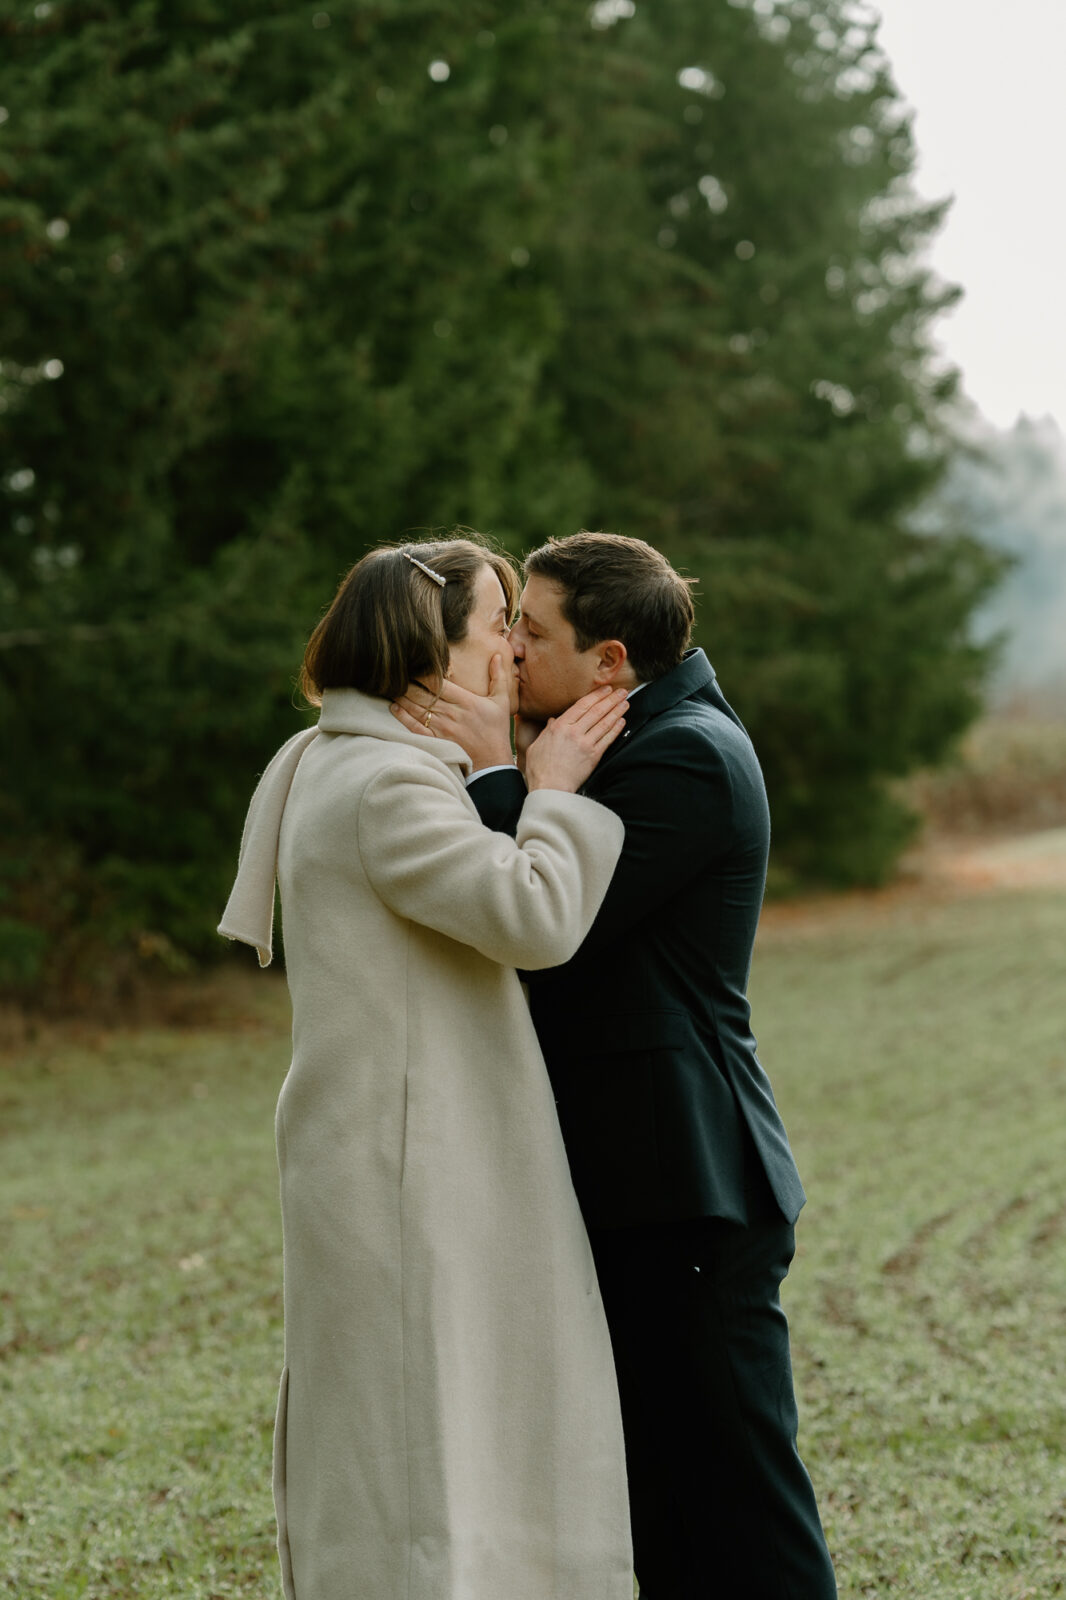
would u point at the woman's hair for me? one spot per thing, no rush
(390, 622)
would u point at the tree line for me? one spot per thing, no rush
(278, 283)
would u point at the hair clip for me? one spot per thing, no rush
(436, 576)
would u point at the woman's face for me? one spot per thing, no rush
(486, 636)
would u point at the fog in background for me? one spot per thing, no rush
(1011, 491)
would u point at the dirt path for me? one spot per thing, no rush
(1026, 861)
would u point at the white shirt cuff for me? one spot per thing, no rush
(484, 771)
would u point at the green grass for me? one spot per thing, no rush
(921, 1063)
(141, 1311)
(919, 1055)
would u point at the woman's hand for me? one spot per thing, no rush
(564, 754)
(480, 724)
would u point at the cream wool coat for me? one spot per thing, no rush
(448, 1424)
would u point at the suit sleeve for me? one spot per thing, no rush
(499, 798)
(523, 902)
(678, 806)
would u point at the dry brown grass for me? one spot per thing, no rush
(228, 998)
(1009, 776)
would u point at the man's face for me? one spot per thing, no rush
(552, 671)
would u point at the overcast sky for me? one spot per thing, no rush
(986, 83)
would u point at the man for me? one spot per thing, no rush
(678, 1154)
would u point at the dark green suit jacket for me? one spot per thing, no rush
(664, 1106)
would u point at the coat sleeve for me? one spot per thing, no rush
(525, 902)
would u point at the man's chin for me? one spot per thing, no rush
(528, 708)
(536, 710)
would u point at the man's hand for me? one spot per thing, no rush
(566, 751)
(480, 724)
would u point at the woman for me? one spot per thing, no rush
(448, 1422)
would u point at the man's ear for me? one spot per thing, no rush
(612, 665)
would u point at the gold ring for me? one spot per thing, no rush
(429, 718)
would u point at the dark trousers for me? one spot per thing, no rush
(721, 1503)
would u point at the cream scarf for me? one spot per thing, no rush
(249, 913)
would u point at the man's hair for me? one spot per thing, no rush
(619, 588)
(390, 622)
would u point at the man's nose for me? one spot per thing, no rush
(517, 646)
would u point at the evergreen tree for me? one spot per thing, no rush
(757, 394)
(264, 304)
(277, 283)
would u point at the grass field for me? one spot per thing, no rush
(919, 1053)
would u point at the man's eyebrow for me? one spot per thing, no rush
(528, 617)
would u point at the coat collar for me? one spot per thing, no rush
(352, 711)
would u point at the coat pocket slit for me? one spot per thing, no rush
(281, 1422)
